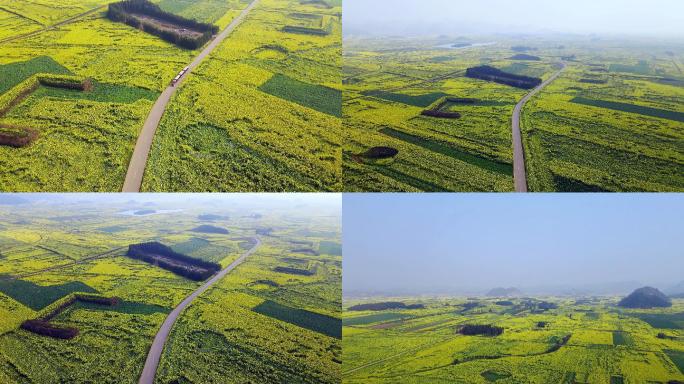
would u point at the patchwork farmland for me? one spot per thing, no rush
(511, 340)
(59, 139)
(77, 285)
(441, 109)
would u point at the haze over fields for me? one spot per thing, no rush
(543, 244)
(411, 17)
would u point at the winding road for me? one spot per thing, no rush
(136, 167)
(154, 355)
(519, 174)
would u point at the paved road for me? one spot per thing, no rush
(136, 168)
(154, 355)
(53, 26)
(519, 175)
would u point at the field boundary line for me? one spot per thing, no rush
(418, 348)
(80, 261)
(53, 26)
(143, 146)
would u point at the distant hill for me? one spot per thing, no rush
(646, 297)
(10, 199)
(677, 290)
(504, 292)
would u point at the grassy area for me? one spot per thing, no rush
(415, 100)
(631, 108)
(569, 348)
(599, 127)
(319, 98)
(14, 73)
(662, 320)
(369, 319)
(260, 114)
(219, 338)
(330, 248)
(677, 357)
(37, 296)
(326, 325)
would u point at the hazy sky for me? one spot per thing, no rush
(654, 17)
(431, 242)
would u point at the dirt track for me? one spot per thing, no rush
(136, 167)
(519, 173)
(154, 355)
(61, 23)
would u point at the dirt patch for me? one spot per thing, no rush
(17, 137)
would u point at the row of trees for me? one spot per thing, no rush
(293, 271)
(17, 136)
(42, 325)
(125, 12)
(178, 263)
(441, 114)
(485, 72)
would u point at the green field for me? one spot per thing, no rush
(612, 121)
(322, 99)
(254, 325)
(262, 113)
(560, 345)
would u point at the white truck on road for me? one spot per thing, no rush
(178, 76)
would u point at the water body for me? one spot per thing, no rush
(458, 46)
(148, 212)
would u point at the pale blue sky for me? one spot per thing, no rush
(429, 242)
(636, 17)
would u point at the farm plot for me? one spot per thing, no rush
(599, 127)
(260, 114)
(85, 140)
(447, 132)
(431, 345)
(95, 313)
(262, 325)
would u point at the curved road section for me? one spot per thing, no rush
(154, 355)
(519, 174)
(136, 168)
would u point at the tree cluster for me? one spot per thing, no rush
(125, 11)
(178, 263)
(484, 330)
(488, 73)
(441, 114)
(293, 271)
(44, 328)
